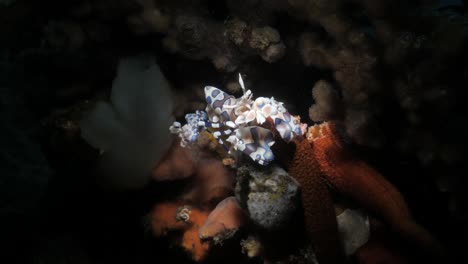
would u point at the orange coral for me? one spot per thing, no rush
(321, 161)
(163, 219)
(211, 182)
(227, 217)
(177, 164)
(167, 217)
(191, 241)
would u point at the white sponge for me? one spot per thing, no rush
(132, 129)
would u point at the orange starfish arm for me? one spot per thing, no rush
(357, 180)
(319, 213)
(382, 247)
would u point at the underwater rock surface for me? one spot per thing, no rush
(270, 195)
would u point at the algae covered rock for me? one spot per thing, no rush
(269, 195)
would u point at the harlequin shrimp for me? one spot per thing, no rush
(190, 131)
(236, 123)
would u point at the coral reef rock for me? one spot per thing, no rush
(304, 255)
(270, 195)
(326, 105)
(251, 246)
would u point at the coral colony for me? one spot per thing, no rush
(236, 123)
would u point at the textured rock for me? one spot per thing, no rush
(251, 246)
(270, 195)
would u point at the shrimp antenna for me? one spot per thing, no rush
(241, 82)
